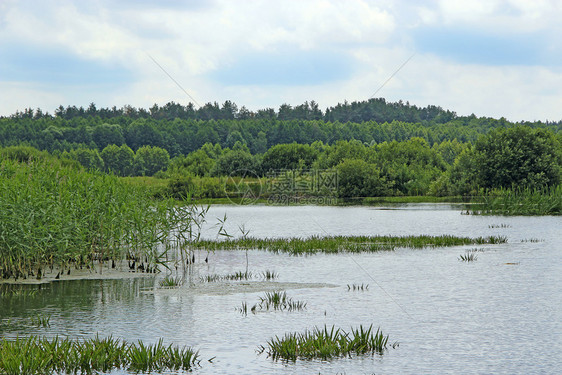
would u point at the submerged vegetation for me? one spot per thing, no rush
(327, 343)
(33, 355)
(335, 244)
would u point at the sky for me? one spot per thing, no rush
(493, 58)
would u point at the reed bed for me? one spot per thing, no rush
(52, 215)
(335, 244)
(33, 355)
(327, 343)
(547, 201)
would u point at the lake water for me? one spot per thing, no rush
(501, 314)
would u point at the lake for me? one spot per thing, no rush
(500, 314)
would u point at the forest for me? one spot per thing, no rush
(376, 148)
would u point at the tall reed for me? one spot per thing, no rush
(547, 201)
(52, 215)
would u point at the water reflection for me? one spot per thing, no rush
(449, 316)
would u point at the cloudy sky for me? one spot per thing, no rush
(487, 57)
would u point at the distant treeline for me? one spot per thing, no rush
(183, 129)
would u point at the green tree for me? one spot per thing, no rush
(107, 134)
(149, 160)
(357, 178)
(518, 157)
(88, 158)
(289, 156)
(234, 163)
(118, 160)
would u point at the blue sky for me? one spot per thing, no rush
(489, 57)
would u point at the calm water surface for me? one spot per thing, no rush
(484, 317)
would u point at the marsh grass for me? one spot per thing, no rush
(41, 321)
(55, 216)
(236, 276)
(547, 201)
(17, 292)
(33, 355)
(277, 300)
(499, 226)
(468, 257)
(335, 244)
(171, 282)
(532, 240)
(269, 275)
(327, 343)
(358, 287)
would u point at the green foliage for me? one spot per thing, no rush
(107, 134)
(118, 160)
(149, 160)
(288, 156)
(518, 157)
(22, 153)
(235, 163)
(357, 178)
(88, 158)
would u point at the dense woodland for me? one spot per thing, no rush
(378, 148)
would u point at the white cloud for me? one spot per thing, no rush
(195, 40)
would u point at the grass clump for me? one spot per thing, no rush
(468, 257)
(33, 355)
(357, 287)
(236, 276)
(170, 282)
(41, 321)
(335, 244)
(327, 343)
(269, 275)
(276, 300)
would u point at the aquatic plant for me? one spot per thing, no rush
(327, 343)
(280, 301)
(532, 240)
(276, 300)
(499, 226)
(236, 276)
(270, 275)
(35, 355)
(335, 244)
(358, 287)
(468, 257)
(17, 292)
(547, 201)
(55, 217)
(170, 282)
(41, 321)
